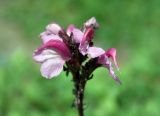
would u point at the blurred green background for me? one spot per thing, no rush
(133, 27)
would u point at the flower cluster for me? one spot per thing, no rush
(72, 47)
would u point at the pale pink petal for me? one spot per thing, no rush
(70, 29)
(94, 52)
(112, 53)
(52, 67)
(45, 55)
(46, 38)
(104, 60)
(53, 28)
(91, 22)
(45, 33)
(113, 75)
(83, 48)
(77, 35)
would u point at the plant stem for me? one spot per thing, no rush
(80, 96)
(79, 85)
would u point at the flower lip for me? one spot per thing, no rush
(88, 35)
(111, 53)
(56, 45)
(104, 60)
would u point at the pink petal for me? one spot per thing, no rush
(45, 37)
(53, 28)
(83, 48)
(94, 52)
(103, 59)
(52, 67)
(113, 75)
(58, 46)
(88, 35)
(91, 22)
(70, 29)
(77, 35)
(45, 55)
(112, 53)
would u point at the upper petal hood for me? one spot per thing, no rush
(58, 46)
(88, 36)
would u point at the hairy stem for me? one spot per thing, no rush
(79, 85)
(80, 95)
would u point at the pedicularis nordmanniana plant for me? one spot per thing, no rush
(73, 51)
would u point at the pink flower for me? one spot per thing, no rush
(104, 60)
(53, 53)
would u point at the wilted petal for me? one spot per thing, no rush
(45, 38)
(91, 22)
(45, 55)
(112, 53)
(52, 67)
(94, 52)
(54, 28)
(57, 46)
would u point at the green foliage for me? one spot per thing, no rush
(130, 26)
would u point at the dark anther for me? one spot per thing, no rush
(91, 44)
